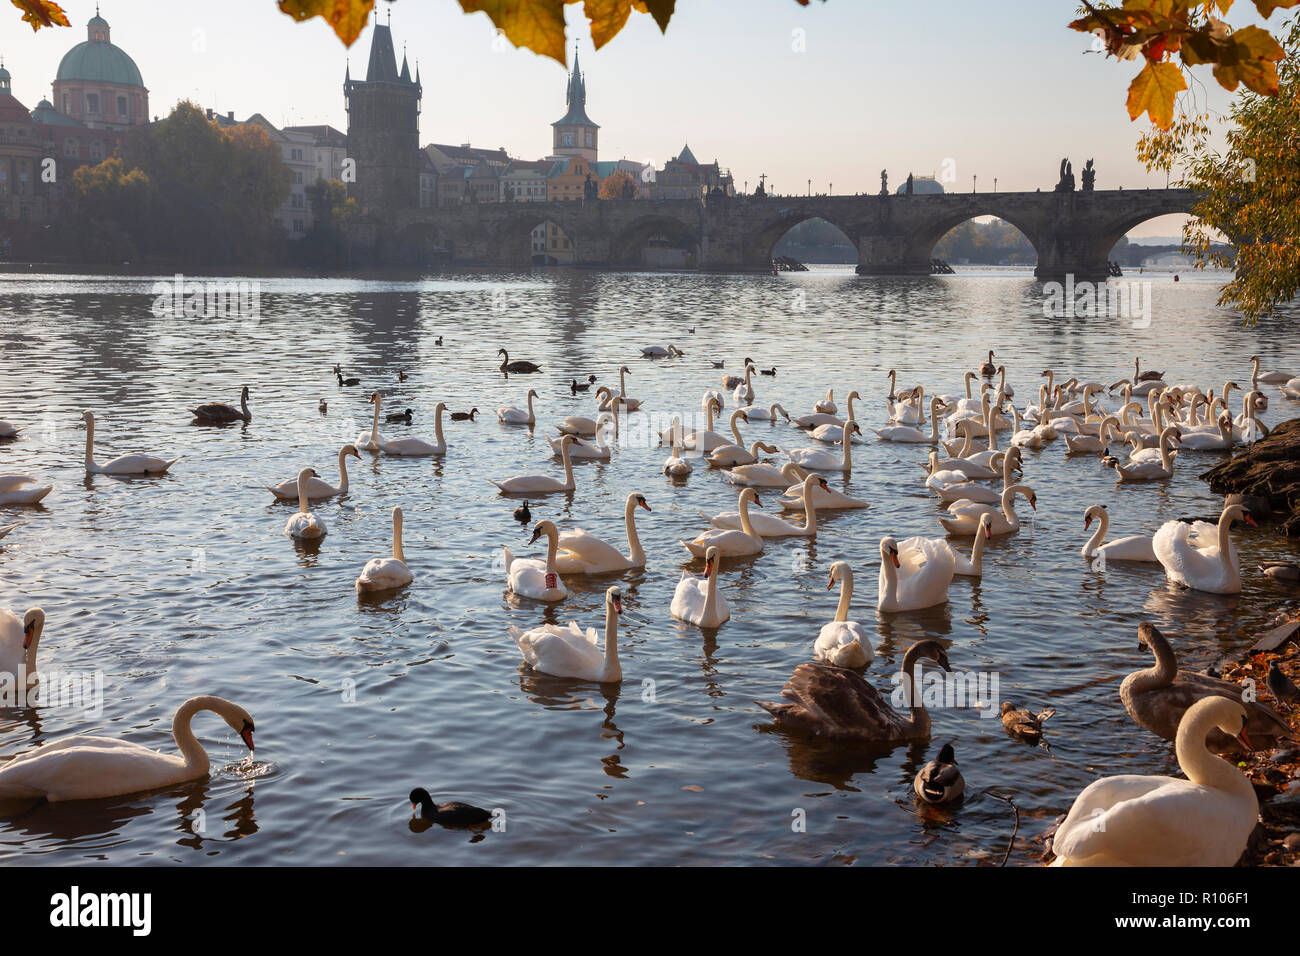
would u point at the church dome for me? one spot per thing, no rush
(922, 186)
(96, 60)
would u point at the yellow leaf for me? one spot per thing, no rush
(537, 25)
(662, 10)
(347, 17)
(1153, 91)
(607, 18)
(42, 13)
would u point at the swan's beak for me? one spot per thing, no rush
(618, 604)
(757, 503)
(1250, 520)
(247, 734)
(537, 533)
(708, 567)
(644, 505)
(893, 556)
(1244, 740)
(28, 633)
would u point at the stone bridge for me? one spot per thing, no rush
(1072, 232)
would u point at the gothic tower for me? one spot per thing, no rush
(574, 133)
(384, 130)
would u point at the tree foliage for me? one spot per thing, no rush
(1164, 33)
(618, 185)
(1250, 191)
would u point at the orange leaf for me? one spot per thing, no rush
(347, 17)
(1153, 92)
(42, 13)
(607, 18)
(537, 25)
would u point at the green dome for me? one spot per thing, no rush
(96, 62)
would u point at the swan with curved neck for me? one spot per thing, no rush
(303, 524)
(770, 526)
(911, 434)
(764, 475)
(542, 484)
(513, 415)
(1133, 820)
(697, 599)
(387, 574)
(1201, 555)
(583, 553)
(731, 543)
(568, 652)
(369, 441)
(914, 573)
(972, 567)
(842, 642)
(531, 578)
(317, 488)
(415, 447)
(88, 768)
(837, 703)
(1135, 547)
(819, 459)
(19, 638)
(963, 516)
(124, 464)
(1147, 470)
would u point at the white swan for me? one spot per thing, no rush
(9, 430)
(124, 465)
(22, 490)
(1135, 547)
(541, 484)
(1201, 555)
(512, 415)
(819, 459)
(757, 413)
(763, 475)
(963, 516)
(732, 453)
(972, 567)
(531, 578)
(660, 351)
(317, 488)
(910, 434)
(580, 449)
(1134, 820)
(709, 440)
(914, 573)
(19, 638)
(87, 768)
(953, 485)
(303, 524)
(827, 405)
(631, 404)
(1268, 378)
(824, 498)
(843, 642)
(583, 553)
(1222, 440)
(387, 574)
(568, 652)
(770, 526)
(581, 425)
(740, 543)
(415, 447)
(677, 466)
(1093, 443)
(697, 599)
(369, 441)
(1147, 470)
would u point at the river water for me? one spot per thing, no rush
(186, 584)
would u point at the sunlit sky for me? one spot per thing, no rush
(1002, 88)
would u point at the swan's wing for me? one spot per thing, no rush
(86, 767)
(12, 482)
(833, 702)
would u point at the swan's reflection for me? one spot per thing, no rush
(837, 762)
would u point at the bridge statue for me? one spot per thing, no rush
(884, 182)
(1089, 177)
(909, 184)
(1066, 183)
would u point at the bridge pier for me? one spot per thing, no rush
(891, 255)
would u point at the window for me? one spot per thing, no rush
(121, 107)
(295, 154)
(298, 226)
(92, 102)
(70, 146)
(568, 139)
(4, 178)
(590, 139)
(66, 110)
(96, 150)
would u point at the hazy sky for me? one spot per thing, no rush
(1001, 88)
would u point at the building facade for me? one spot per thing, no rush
(99, 85)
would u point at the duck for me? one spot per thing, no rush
(22, 490)
(1277, 570)
(575, 388)
(1134, 820)
(1200, 555)
(88, 768)
(387, 574)
(1134, 547)
(323, 406)
(842, 642)
(464, 416)
(770, 526)
(583, 553)
(914, 573)
(839, 704)
(125, 464)
(522, 514)
(1158, 698)
(517, 366)
(402, 376)
(394, 418)
(963, 516)
(568, 652)
(303, 524)
(542, 484)
(696, 600)
(219, 413)
(513, 415)
(531, 578)
(731, 543)
(338, 373)
(768, 371)
(438, 340)
(1024, 724)
(317, 489)
(940, 780)
(19, 639)
(452, 814)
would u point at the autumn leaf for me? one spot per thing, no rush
(607, 17)
(662, 10)
(347, 17)
(1266, 7)
(42, 13)
(1153, 92)
(535, 24)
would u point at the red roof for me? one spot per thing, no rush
(11, 111)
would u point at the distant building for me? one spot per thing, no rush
(574, 134)
(330, 148)
(525, 181)
(685, 177)
(99, 85)
(921, 186)
(384, 130)
(298, 150)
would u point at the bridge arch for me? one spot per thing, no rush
(768, 234)
(630, 243)
(511, 240)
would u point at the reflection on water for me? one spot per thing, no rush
(185, 584)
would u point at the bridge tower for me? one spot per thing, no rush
(384, 129)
